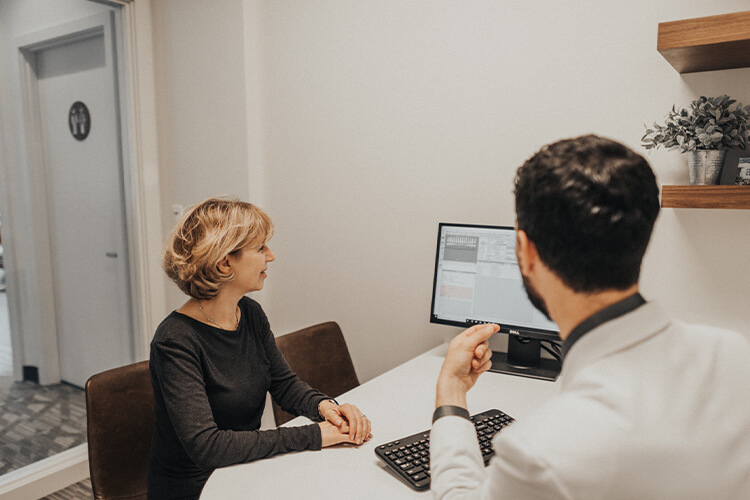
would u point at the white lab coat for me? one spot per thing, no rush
(647, 408)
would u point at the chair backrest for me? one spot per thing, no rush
(319, 356)
(120, 421)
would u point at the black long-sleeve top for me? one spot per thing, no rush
(210, 389)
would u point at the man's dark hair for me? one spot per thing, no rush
(589, 205)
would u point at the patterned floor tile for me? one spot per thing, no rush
(38, 421)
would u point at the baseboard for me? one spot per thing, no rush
(46, 476)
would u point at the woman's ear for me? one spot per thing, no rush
(224, 266)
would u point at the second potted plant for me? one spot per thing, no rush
(705, 130)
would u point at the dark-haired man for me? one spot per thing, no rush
(648, 407)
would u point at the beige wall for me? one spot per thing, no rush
(384, 118)
(360, 125)
(200, 95)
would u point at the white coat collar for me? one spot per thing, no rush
(613, 336)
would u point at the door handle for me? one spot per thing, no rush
(111, 255)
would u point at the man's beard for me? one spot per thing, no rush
(536, 299)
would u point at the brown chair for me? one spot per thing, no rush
(319, 356)
(120, 420)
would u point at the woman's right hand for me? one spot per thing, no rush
(332, 435)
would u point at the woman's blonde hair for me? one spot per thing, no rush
(206, 233)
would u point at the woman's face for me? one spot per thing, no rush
(250, 264)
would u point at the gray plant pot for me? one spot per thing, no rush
(705, 166)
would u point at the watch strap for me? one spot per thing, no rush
(444, 411)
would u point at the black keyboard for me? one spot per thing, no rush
(409, 457)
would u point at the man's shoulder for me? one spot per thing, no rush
(701, 332)
(572, 430)
(715, 352)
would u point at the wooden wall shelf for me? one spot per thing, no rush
(706, 43)
(728, 197)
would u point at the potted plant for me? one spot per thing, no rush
(705, 130)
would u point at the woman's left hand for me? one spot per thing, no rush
(347, 418)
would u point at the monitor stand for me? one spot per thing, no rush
(524, 359)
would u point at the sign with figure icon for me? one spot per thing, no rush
(79, 121)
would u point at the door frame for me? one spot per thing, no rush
(135, 82)
(99, 28)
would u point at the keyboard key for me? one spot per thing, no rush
(415, 470)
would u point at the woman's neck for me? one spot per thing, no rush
(221, 311)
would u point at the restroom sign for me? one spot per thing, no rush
(79, 121)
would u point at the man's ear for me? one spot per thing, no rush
(526, 253)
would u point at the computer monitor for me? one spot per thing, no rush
(477, 280)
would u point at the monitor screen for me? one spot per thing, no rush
(477, 280)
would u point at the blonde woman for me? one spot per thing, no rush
(214, 359)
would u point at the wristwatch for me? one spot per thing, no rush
(446, 410)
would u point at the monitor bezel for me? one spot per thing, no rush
(510, 329)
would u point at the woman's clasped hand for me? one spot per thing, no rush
(343, 424)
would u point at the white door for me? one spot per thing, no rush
(79, 125)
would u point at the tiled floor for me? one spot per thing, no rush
(38, 421)
(35, 421)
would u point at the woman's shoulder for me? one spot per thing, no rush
(250, 304)
(176, 327)
(253, 313)
(252, 309)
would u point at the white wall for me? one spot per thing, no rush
(200, 93)
(360, 125)
(381, 119)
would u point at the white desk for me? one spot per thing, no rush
(399, 402)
